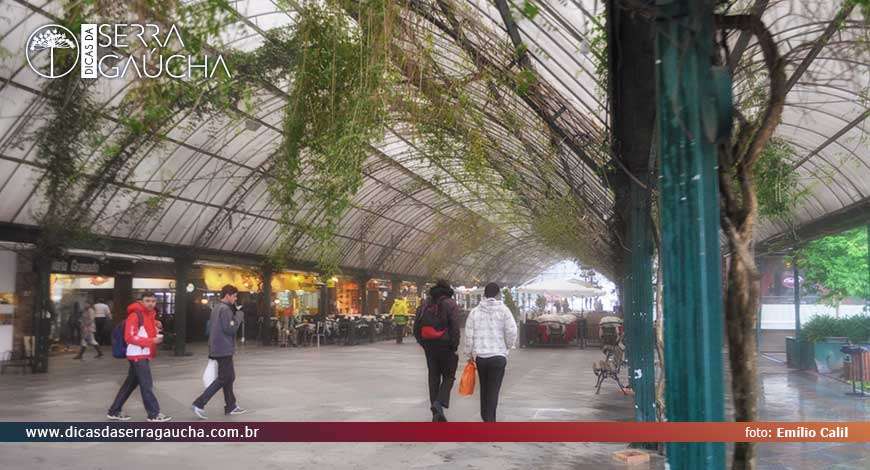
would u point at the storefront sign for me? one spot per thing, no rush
(76, 266)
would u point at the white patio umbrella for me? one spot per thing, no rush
(562, 288)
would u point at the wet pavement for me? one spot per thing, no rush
(790, 395)
(383, 382)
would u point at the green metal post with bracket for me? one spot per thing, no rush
(694, 111)
(639, 331)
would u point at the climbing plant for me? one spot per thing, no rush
(511, 304)
(336, 108)
(87, 148)
(63, 144)
(780, 193)
(596, 37)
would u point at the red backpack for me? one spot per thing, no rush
(433, 322)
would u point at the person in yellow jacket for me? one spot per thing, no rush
(399, 311)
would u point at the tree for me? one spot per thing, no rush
(511, 304)
(838, 264)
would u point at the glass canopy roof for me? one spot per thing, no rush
(214, 173)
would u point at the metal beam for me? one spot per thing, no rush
(18, 233)
(820, 43)
(744, 37)
(858, 120)
(849, 217)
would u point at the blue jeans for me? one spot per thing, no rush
(139, 375)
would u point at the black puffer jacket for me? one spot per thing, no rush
(448, 307)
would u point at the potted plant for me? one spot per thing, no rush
(828, 335)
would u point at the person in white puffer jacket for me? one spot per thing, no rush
(490, 332)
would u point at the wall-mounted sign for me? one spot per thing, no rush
(76, 266)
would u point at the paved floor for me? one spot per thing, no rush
(381, 382)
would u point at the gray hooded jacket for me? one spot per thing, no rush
(223, 325)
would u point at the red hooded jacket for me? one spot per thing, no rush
(139, 347)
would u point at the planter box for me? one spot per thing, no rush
(799, 354)
(828, 355)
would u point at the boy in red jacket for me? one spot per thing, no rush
(142, 335)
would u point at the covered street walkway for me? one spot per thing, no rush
(352, 153)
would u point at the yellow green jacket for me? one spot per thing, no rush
(399, 311)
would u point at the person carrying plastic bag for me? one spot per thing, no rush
(490, 332)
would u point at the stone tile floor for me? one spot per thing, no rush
(382, 382)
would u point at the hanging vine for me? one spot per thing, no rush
(336, 108)
(87, 149)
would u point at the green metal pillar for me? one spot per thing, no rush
(797, 297)
(690, 119)
(640, 336)
(43, 313)
(183, 267)
(363, 282)
(265, 305)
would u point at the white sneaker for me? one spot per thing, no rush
(238, 411)
(199, 412)
(160, 418)
(118, 417)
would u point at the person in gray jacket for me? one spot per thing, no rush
(223, 324)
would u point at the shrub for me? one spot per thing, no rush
(856, 328)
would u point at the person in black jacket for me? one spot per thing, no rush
(436, 328)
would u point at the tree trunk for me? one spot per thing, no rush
(741, 309)
(660, 347)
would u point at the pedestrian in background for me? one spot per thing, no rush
(399, 311)
(103, 319)
(88, 328)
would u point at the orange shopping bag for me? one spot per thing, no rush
(466, 384)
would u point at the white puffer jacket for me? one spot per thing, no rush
(490, 330)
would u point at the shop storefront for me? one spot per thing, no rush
(348, 296)
(8, 263)
(71, 294)
(411, 294)
(377, 292)
(301, 290)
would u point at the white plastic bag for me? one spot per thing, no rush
(210, 373)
